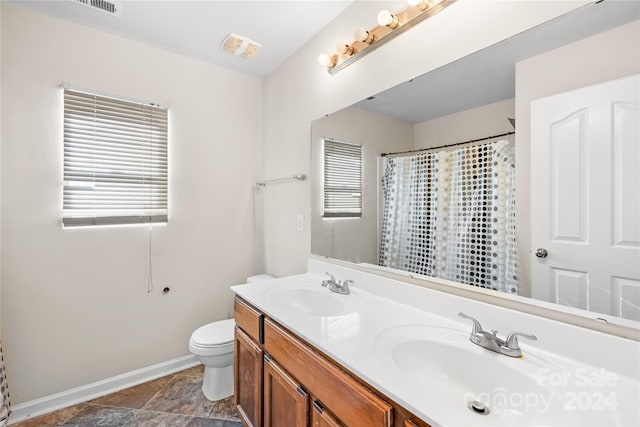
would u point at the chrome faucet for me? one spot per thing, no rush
(490, 340)
(341, 288)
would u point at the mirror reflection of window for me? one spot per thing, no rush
(342, 179)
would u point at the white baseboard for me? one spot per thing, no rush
(53, 402)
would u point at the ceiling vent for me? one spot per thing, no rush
(239, 46)
(110, 7)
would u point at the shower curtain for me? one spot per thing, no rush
(5, 409)
(451, 214)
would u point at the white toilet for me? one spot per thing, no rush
(213, 346)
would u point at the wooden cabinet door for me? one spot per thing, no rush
(248, 379)
(320, 417)
(286, 403)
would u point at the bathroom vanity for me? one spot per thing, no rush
(282, 380)
(397, 355)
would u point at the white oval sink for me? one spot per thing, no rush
(314, 302)
(517, 391)
(457, 368)
(427, 354)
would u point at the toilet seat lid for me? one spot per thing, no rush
(214, 334)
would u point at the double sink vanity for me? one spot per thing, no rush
(381, 352)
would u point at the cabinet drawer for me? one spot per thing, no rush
(350, 401)
(249, 319)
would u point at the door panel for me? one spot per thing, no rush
(568, 204)
(585, 194)
(286, 403)
(248, 379)
(626, 182)
(570, 288)
(629, 295)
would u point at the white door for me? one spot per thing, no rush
(585, 172)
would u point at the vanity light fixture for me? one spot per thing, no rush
(389, 26)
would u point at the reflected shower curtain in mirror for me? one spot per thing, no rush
(451, 214)
(5, 409)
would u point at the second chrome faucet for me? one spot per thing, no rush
(341, 287)
(491, 341)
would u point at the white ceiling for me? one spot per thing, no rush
(196, 28)
(489, 75)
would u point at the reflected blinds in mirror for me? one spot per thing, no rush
(451, 214)
(342, 179)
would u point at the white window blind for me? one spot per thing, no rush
(342, 190)
(115, 161)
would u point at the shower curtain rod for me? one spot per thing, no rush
(446, 146)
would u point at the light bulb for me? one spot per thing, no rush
(363, 35)
(323, 59)
(422, 4)
(327, 60)
(386, 18)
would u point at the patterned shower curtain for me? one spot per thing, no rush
(451, 214)
(5, 409)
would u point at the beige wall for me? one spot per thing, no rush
(300, 91)
(354, 239)
(480, 122)
(605, 56)
(75, 306)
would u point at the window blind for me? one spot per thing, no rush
(115, 161)
(342, 190)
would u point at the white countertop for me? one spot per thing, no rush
(358, 331)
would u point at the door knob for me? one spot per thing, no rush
(541, 253)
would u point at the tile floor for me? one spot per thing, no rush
(172, 401)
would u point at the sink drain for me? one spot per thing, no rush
(478, 407)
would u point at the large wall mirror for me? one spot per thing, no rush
(487, 171)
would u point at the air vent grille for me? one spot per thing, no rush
(112, 7)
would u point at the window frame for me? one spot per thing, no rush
(115, 160)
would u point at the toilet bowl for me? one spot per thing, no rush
(212, 344)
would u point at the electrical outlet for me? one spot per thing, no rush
(300, 222)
